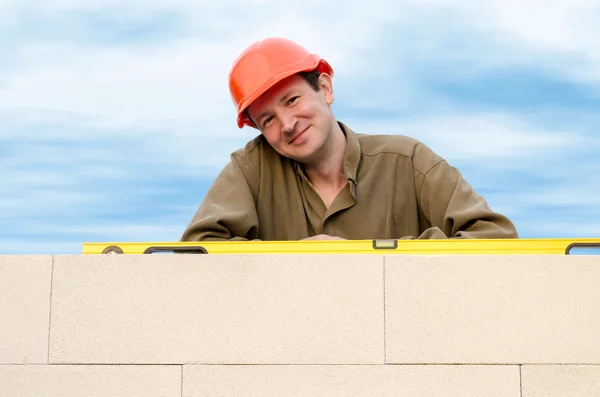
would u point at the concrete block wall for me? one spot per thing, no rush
(299, 325)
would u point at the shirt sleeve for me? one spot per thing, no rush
(228, 211)
(452, 208)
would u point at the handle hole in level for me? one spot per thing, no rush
(176, 250)
(584, 249)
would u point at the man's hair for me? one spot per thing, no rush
(312, 78)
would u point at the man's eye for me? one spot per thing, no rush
(267, 121)
(291, 100)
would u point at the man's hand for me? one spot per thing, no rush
(323, 237)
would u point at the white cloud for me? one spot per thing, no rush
(476, 137)
(183, 81)
(558, 25)
(556, 36)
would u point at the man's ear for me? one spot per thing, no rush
(326, 85)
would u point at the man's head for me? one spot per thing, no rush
(287, 97)
(265, 63)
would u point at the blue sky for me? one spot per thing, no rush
(116, 117)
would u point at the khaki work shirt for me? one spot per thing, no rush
(397, 188)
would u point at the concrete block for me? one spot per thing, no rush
(561, 380)
(493, 309)
(24, 308)
(353, 380)
(90, 381)
(210, 309)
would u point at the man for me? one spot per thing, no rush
(309, 176)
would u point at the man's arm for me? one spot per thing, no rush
(228, 211)
(451, 206)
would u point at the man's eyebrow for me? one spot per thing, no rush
(262, 115)
(284, 98)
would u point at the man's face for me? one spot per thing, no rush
(295, 119)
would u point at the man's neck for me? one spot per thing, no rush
(329, 170)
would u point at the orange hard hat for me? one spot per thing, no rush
(262, 65)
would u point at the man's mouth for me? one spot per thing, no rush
(298, 135)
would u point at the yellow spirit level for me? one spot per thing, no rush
(553, 246)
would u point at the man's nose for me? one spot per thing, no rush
(288, 122)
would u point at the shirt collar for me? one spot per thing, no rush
(351, 157)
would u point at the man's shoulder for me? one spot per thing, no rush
(374, 144)
(422, 157)
(255, 152)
